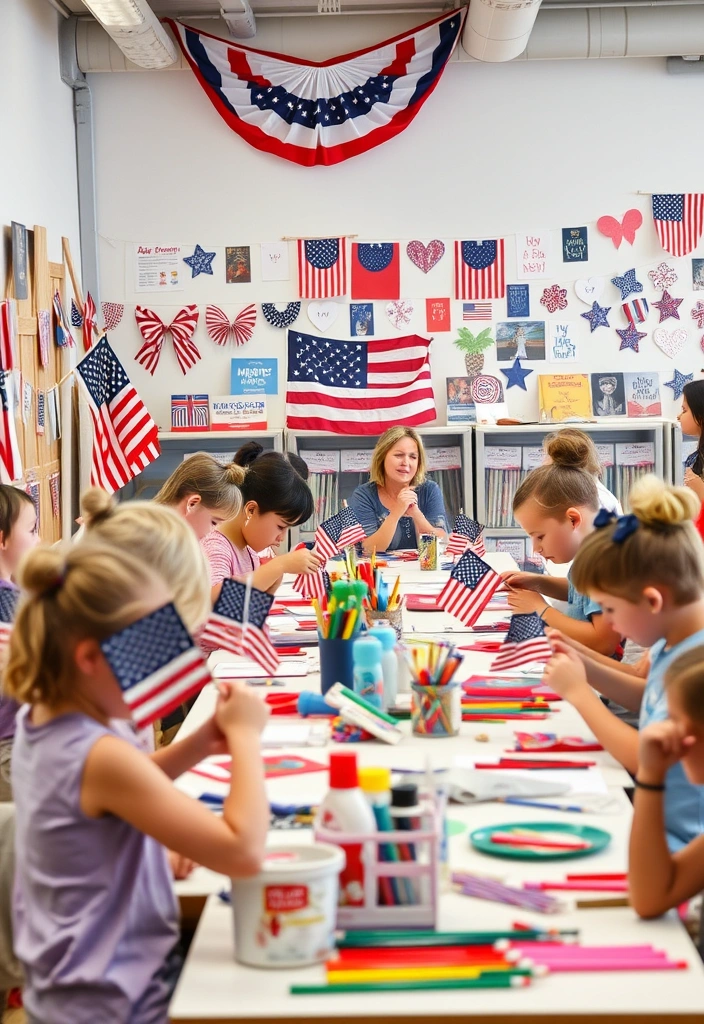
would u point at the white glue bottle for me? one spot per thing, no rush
(346, 809)
(389, 664)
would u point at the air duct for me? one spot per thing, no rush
(240, 20)
(136, 30)
(498, 30)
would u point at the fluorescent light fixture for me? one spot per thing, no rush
(136, 30)
(239, 18)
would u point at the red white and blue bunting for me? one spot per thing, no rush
(321, 113)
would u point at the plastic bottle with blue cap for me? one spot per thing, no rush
(368, 675)
(389, 663)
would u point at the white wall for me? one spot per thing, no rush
(496, 149)
(38, 165)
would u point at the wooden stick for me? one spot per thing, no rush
(75, 284)
(313, 238)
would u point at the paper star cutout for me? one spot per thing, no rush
(516, 375)
(200, 262)
(663, 276)
(630, 337)
(597, 316)
(627, 284)
(668, 307)
(698, 314)
(678, 382)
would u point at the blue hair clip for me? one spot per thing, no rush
(604, 518)
(625, 526)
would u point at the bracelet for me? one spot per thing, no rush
(649, 786)
(540, 614)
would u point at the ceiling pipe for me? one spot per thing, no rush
(498, 30)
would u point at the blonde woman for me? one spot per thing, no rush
(398, 504)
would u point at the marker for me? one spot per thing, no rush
(483, 981)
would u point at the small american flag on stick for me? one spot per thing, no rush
(469, 589)
(525, 643)
(237, 623)
(467, 533)
(338, 532)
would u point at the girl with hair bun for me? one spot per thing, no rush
(203, 492)
(584, 456)
(556, 505)
(646, 572)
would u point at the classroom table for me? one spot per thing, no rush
(213, 987)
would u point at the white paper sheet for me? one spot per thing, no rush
(288, 669)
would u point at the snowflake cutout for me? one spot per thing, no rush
(554, 298)
(664, 276)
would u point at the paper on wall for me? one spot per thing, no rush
(321, 461)
(274, 256)
(562, 342)
(357, 461)
(500, 457)
(443, 458)
(158, 268)
(532, 255)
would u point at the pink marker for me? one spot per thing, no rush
(618, 885)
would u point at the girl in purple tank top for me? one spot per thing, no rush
(94, 913)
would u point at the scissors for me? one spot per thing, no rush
(282, 703)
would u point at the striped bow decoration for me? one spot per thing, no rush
(154, 330)
(219, 328)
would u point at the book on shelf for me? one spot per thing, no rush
(564, 396)
(608, 394)
(190, 412)
(460, 404)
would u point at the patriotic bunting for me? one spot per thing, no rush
(9, 449)
(112, 314)
(76, 315)
(479, 270)
(679, 220)
(64, 338)
(89, 325)
(469, 589)
(281, 318)
(525, 643)
(219, 328)
(237, 624)
(322, 267)
(154, 330)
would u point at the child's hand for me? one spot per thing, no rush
(521, 580)
(302, 560)
(524, 602)
(562, 644)
(660, 745)
(239, 707)
(566, 675)
(181, 867)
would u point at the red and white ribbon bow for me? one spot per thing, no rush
(219, 328)
(154, 330)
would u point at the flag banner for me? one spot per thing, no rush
(322, 267)
(154, 330)
(89, 324)
(479, 270)
(350, 387)
(125, 437)
(9, 448)
(8, 334)
(376, 272)
(9, 598)
(467, 533)
(64, 338)
(156, 664)
(321, 113)
(337, 533)
(476, 311)
(236, 624)
(525, 643)
(76, 315)
(313, 585)
(679, 220)
(469, 589)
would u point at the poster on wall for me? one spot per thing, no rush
(643, 394)
(698, 275)
(274, 257)
(520, 339)
(230, 412)
(158, 268)
(532, 255)
(437, 315)
(608, 395)
(254, 377)
(575, 245)
(517, 300)
(238, 264)
(460, 403)
(562, 342)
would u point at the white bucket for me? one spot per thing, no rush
(285, 916)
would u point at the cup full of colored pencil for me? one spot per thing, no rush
(436, 709)
(384, 602)
(339, 623)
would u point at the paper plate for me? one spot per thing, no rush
(597, 837)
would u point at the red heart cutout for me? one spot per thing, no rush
(617, 231)
(425, 256)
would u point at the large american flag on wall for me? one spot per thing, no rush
(322, 267)
(125, 437)
(479, 269)
(679, 220)
(351, 387)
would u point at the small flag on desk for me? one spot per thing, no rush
(156, 664)
(469, 589)
(8, 607)
(525, 643)
(313, 585)
(337, 533)
(237, 623)
(466, 533)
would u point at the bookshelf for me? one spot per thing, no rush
(178, 445)
(340, 463)
(682, 446)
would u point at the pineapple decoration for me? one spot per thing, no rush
(474, 346)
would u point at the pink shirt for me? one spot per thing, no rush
(226, 560)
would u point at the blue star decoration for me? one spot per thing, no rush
(516, 375)
(630, 337)
(668, 307)
(627, 284)
(597, 316)
(678, 382)
(200, 262)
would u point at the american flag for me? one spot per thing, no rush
(64, 338)
(338, 532)
(469, 588)
(476, 311)
(8, 607)
(479, 270)
(350, 387)
(124, 434)
(156, 664)
(8, 333)
(679, 220)
(467, 533)
(525, 643)
(313, 585)
(236, 624)
(190, 412)
(9, 449)
(322, 267)
(76, 315)
(89, 324)
(154, 330)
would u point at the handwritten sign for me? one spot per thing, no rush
(443, 458)
(254, 376)
(575, 245)
(322, 461)
(356, 461)
(635, 454)
(562, 342)
(533, 457)
(532, 255)
(158, 268)
(274, 256)
(498, 457)
(606, 454)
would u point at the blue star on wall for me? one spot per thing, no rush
(627, 284)
(668, 307)
(516, 375)
(201, 262)
(678, 382)
(630, 337)
(597, 316)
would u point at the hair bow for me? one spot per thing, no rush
(625, 525)
(154, 330)
(604, 518)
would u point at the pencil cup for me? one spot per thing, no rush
(393, 617)
(436, 710)
(336, 664)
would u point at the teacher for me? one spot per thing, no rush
(398, 504)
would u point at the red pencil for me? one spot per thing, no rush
(510, 839)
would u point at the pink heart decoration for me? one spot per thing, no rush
(671, 342)
(618, 230)
(425, 256)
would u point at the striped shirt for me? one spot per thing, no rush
(226, 560)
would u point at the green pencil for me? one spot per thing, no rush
(489, 980)
(384, 939)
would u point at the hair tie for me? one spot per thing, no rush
(56, 584)
(604, 518)
(625, 525)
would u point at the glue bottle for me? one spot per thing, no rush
(345, 809)
(389, 664)
(368, 676)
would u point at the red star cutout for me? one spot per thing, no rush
(668, 306)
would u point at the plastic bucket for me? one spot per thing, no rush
(285, 916)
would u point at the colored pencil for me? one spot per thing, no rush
(520, 802)
(615, 886)
(512, 839)
(425, 973)
(390, 939)
(483, 981)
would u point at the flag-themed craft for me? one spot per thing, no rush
(156, 664)
(236, 624)
(125, 437)
(9, 448)
(524, 644)
(321, 113)
(8, 333)
(338, 532)
(467, 533)
(376, 271)
(469, 589)
(64, 338)
(154, 330)
(76, 315)
(479, 269)
(190, 412)
(322, 267)
(220, 330)
(89, 324)
(8, 608)
(313, 585)
(636, 311)
(679, 220)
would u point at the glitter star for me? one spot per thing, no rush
(627, 284)
(597, 316)
(516, 375)
(698, 314)
(668, 307)
(630, 337)
(200, 262)
(678, 382)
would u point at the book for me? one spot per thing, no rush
(643, 394)
(564, 396)
(608, 395)
(460, 405)
(190, 412)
